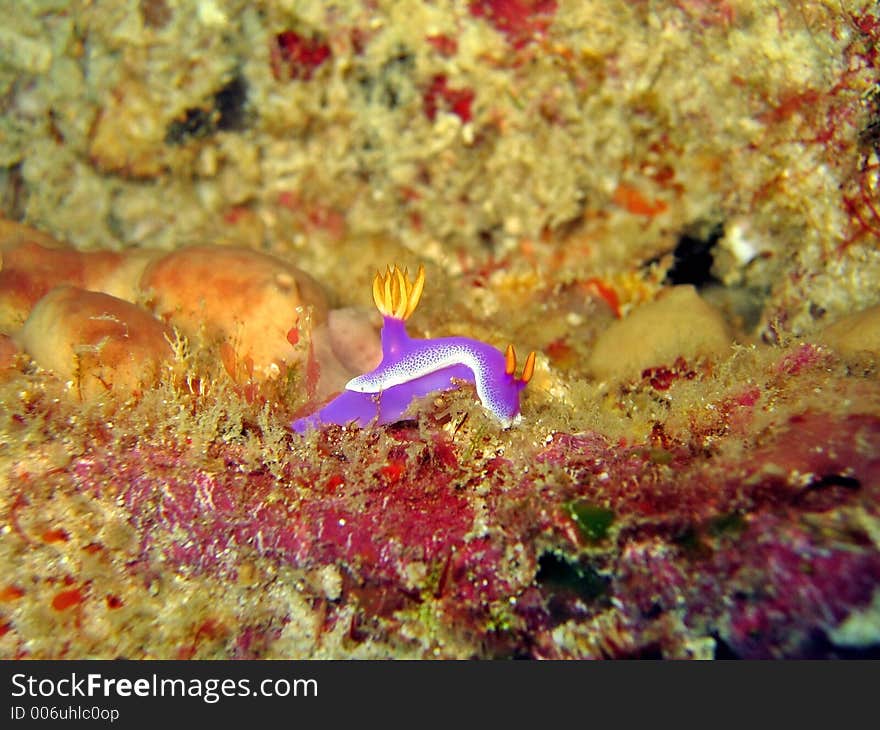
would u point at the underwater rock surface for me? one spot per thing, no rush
(208, 530)
(694, 258)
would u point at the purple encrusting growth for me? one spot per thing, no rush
(412, 368)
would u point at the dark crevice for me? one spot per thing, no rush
(693, 256)
(227, 111)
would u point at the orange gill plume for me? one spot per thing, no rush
(395, 295)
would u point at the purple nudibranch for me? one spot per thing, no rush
(413, 368)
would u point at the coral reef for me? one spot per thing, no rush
(750, 532)
(193, 205)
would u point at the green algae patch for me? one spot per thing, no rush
(592, 520)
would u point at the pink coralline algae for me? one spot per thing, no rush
(295, 56)
(410, 512)
(512, 555)
(749, 532)
(519, 20)
(440, 96)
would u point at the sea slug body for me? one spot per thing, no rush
(412, 368)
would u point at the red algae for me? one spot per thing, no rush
(440, 96)
(11, 593)
(297, 57)
(519, 20)
(805, 356)
(789, 584)
(56, 535)
(661, 377)
(67, 599)
(629, 198)
(445, 45)
(420, 517)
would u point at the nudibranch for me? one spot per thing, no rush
(413, 368)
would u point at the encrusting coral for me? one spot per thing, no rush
(95, 341)
(676, 324)
(235, 296)
(250, 307)
(693, 257)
